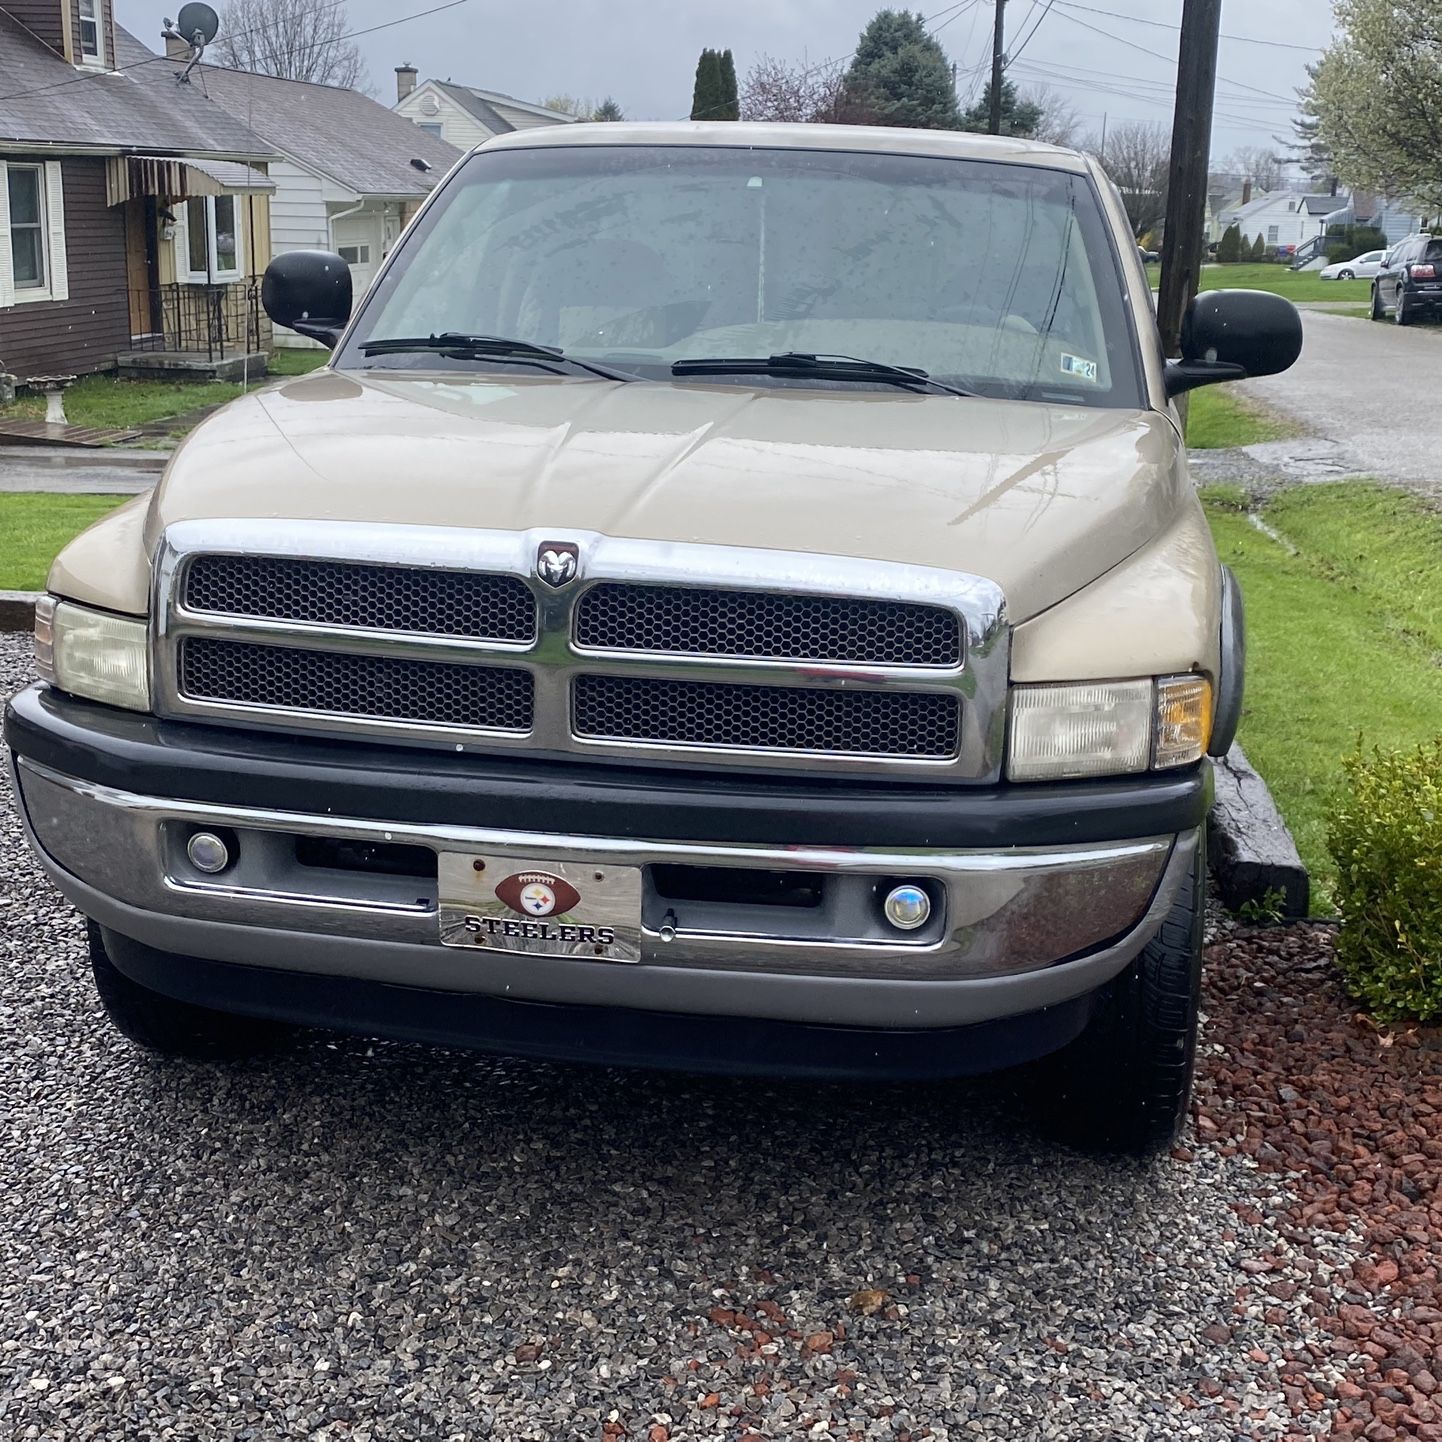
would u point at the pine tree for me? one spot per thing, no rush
(1259, 248)
(1229, 252)
(900, 75)
(607, 110)
(706, 99)
(729, 107)
(1018, 117)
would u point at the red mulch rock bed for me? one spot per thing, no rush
(1351, 1114)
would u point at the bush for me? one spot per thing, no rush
(1386, 839)
(1338, 251)
(1259, 248)
(1229, 251)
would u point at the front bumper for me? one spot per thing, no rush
(1039, 908)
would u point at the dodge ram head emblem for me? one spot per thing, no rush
(557, 562)
(538, 893)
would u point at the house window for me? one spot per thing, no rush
(212, 238)
(1273, 235)
(355, 254)
(431, 127)
(90, 30)
(26, 191)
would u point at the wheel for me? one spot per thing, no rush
(1124, 1085)
(175, 1028)
(1345, 275)
(1403, 314)
(1379, 311)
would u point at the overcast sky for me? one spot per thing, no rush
(643, 52)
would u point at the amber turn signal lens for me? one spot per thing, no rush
(1184, 721)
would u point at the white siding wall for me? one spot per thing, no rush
(298, 221)
(458, 127)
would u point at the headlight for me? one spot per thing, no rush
(92, 654)
(1108, 728)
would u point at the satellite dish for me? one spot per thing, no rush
(195, 17)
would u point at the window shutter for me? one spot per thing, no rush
(55, 207)
(7, 274)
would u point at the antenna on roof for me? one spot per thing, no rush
(196, 26)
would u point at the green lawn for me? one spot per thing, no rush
(105, 401)
(297, 362)
(1280, 279)
(1218, 417)
(34, 526)
(1344, 639)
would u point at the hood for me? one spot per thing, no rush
(1040, 499)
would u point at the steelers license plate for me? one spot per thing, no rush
(550, 908)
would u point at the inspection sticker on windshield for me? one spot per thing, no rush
(1074, 365)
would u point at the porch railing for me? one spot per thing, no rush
(204, 320)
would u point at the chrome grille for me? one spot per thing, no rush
(376, 598)
(768, 718)
(388, 688)
(432, 636)
(765, 625)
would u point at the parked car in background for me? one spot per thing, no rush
(1364, 267)
(1409, 284)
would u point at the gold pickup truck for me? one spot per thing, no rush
(734, 600)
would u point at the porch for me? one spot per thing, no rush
(197, 332)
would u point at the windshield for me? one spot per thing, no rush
(993, 277)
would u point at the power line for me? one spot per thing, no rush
(154, 59)
(1016, 55)
(1167, 25)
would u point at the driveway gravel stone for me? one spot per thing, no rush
(371, 1241)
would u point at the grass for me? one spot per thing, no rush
(297, 362)
(34, 526)
(1217, 417)
(1279, 279)
(1344, 629)
(106, 402)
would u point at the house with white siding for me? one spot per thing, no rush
(351, 173)
(463, 115)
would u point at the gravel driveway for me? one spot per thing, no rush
(359, 1240)
(1368, 389)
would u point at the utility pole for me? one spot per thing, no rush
(1184, 242)
(998, 64)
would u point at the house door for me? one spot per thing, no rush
(142, 266)
(358, 243)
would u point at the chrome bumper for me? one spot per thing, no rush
(1019, 929)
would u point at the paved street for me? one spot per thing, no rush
(94, 472)
(361, 1241)
(1370, 390)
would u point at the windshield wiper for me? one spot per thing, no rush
(820, 367)
(458, 346)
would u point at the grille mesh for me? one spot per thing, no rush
(767, 718)
(696, 621)
(483, 698)
(382, 598)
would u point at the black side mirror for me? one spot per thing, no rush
(309, 291)
(1229, 335)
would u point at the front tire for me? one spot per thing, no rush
(1345, 275)
(1125, 1084)
(162, 1024)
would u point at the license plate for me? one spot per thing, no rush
(508, 903)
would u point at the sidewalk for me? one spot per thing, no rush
(113, 472)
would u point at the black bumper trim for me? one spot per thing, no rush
(610, 1036)
(182, 761)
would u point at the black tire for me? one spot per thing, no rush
(175, 1028)
(1379, 311)
(1345, 275)
(1125, 1084)
(1403, 314)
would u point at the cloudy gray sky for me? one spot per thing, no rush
(1103, 57)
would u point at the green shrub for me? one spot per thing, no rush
(1386, 839)
(1259, 248)
(1229, 250)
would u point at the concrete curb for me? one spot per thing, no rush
(17, 610)
(76, 458)
(1251, 851)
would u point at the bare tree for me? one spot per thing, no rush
(1266, 170)
(1137, 157)
(783, 90)
(295, 39)
(1059, 124)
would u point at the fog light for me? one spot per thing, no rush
(207, 852)
(907, 907)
